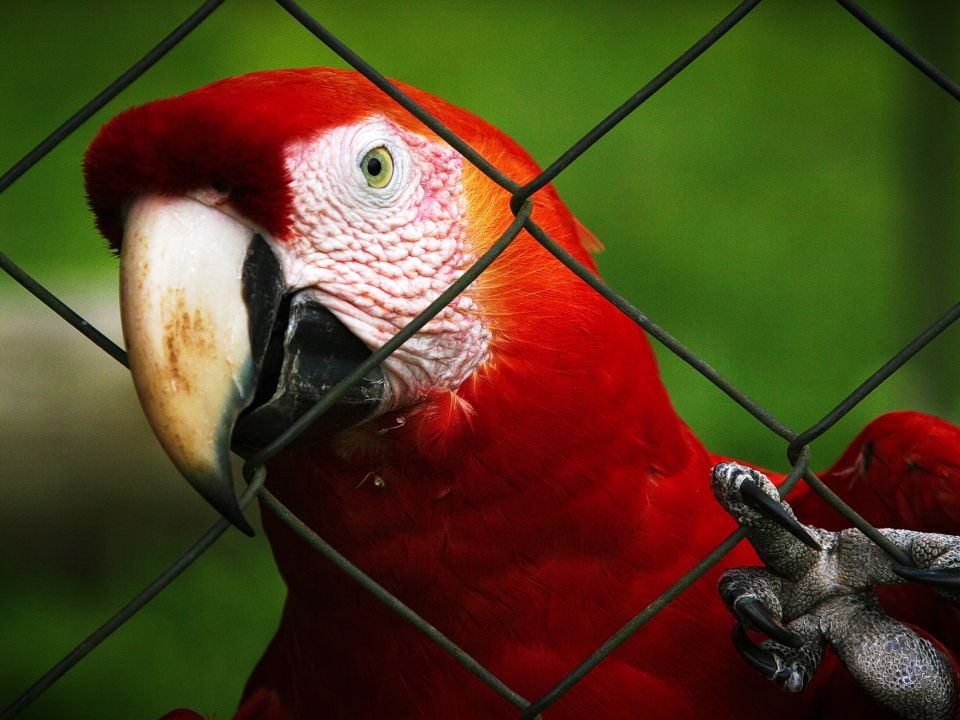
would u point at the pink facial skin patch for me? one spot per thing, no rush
(378, 255)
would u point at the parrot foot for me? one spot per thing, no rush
(807, 598)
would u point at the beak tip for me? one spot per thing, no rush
(241, 523)
(234, 515)
(219, 493)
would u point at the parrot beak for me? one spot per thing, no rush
(214, 335)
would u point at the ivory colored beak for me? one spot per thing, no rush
(185, 326)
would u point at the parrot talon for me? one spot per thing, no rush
(753, 611)
(756, 498)
(759, 658)
(948, 579)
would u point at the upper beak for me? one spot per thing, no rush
(212, 330)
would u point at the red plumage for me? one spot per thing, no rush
(532, 512)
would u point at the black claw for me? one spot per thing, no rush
(765, 505)
(946, 579)
(755, 613)
(761, 660)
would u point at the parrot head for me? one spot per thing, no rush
(275, 228)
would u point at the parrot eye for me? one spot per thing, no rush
(377, 167)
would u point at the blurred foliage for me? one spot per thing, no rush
(763, 208)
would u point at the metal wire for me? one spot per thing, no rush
(108, 93)
(392, 602)
(638, 98)
(63, 310)
(400, 97)
(873, 382)
(665, 598)
(798, 443)
(907, 52)
(379, 355)
(668, 341)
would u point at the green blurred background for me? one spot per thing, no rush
(786, 207)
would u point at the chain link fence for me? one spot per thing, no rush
(796, 443)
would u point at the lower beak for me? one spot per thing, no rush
(212, 331)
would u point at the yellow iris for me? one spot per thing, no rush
(377, 167)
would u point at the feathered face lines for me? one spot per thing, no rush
(378, 249)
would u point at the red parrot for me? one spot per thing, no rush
(515, 472)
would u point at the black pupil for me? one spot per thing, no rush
(374, 166)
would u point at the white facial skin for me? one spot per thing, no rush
(379, 256)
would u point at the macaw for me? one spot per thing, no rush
(515, 472)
